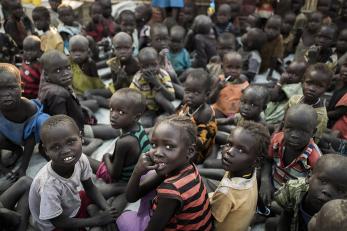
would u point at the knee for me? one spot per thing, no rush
(25, 182)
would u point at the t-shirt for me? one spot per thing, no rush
(51, 40)
(52, 195)
(234, 203)
(271, 50)
(180, 60)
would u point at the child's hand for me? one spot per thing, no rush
(150, 76)
(106, 217)
(265, 192)
(145, 163)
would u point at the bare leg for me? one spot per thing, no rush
(164, 103)
(110, 190)
(92, 104)
(105, 132)
(147, 119)
(94, 164)
(90, 145)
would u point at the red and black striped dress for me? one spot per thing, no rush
(188, 188)
(30, 74)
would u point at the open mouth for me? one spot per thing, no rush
(69, 159)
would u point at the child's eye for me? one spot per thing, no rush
(56, 148)
(121, 112)
(169, 147)
(58, 70)
(71, 142)
(153, 145)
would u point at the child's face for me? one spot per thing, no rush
(324, 6)
(150, 64)
(293, 73)
(248, 40)
(96, 13)
(315, 84)
(66, 15)
(106, 8)
(123, 49)
(325, 37)
(170, 148)
(59, 73)
(232, 66)
(341, 45)
(297, 131)
(223, 15)
(54, 4)
(63, 145)
(314, 22)
(10, 91)
(194, 92)
(224, 46)
(41, 22)
(32, 51)
(176, 42)
(325, 185)
(122, 115)
(79, 52)
(234, 10)
(288, 23)
(273, 28)
(344, 10)
(160, 39)
(17, 11)
(239, 154)
(250, 105)
(128, 25)
(296, 5)
(186, 16)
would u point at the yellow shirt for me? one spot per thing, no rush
(234, 203)
(51, 40)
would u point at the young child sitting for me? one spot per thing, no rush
(288, 86)
(173, 144)
(14, 207)
(31, 68)
(126, 106)
(50, 38)
(223, 18)
(341, 46)
(332, 216)
(68, 26)
(235, 199)
(292, 152)
(252, 43)
(273, 49)
(63, 188)
(107, 14)
(317, 80)
(196, 91)
(97, 28)
(178, 55)
(302, 198)
(127, 23)
(155, 84)
(287, 33)
(20, 120)
(228, 91)
(143, 14)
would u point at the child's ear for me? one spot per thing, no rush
(191, 151)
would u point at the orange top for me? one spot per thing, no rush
(341, 124)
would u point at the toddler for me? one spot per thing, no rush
(196, 90)
(302, 198)
(54, 4)
(155, 84)
(223, 19)
(178, 55)
(63, 189)
(173, 144)
(341, 46)
(317, 79)
(107, 14)
(292, 152)
(287, 33)
(187, 14)
(143, 14)
(50, 38)
(97, 28)
(20, 119)
(31, 68)
(235, 199)
(127, 22)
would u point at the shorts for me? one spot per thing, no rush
(103, 173)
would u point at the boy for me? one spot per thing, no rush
(223, 19)
(286, 31)
(55, 199)
(97, 28)
(301, 199)
(50, 39)
(31, 68)
(292, 153)
(155, 84)
(127, 23)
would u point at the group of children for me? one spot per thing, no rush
(221, 121)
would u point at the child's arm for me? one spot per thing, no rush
(27, 153)
(158, 86)
(94, 194)
(215, 91)
(266, 188)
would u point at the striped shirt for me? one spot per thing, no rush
(300, 167)
(30, 74)
(141, 84)
(187, 187)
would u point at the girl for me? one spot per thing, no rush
(196, 90)
(173, 144)
(20, 119)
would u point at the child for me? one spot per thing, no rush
(302, 198)
(14, 207)
(317, 80)
(54, 4)
(223, 18)
(31, 68)
(178, 55)
(20, 119)
(68, 26)
(196, 90)
(127, 106)
(155, 84)
(187, 14)
(84, 71)
(50, 39)
(288, 86)
(124, 65)
(127, 22)
(55, 199)
(228, 92)
(8, 48)
(341, 46)
(252, 43)
(287, 33)
(97, 28)
(107, 14)
(322, 51)
(234, 201)
(143, 14)
(173, 144)
(332, 216)
(273, 49)
(292, 152)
